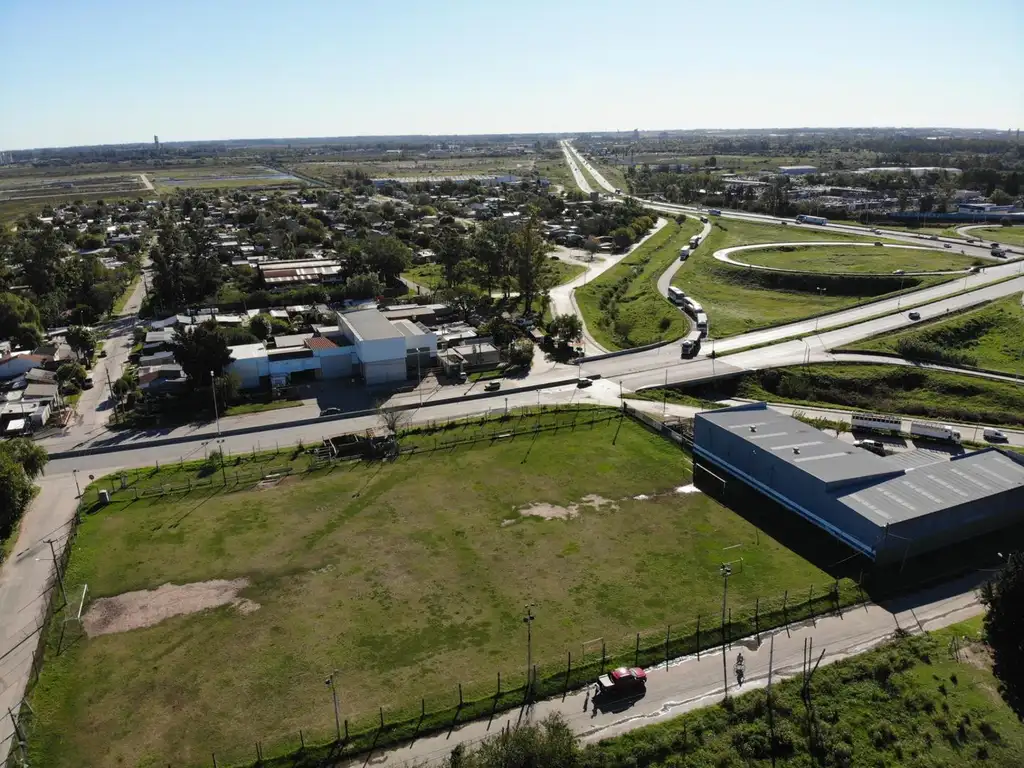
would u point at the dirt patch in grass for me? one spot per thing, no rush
(135, 610)
(556, 512)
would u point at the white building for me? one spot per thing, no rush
(380, 348)
(797, 170)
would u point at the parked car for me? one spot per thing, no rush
(874, 446)
(914, 315)
(623, 682)
(330, 411)
(492, 386)
(994, 435)
(584, 383)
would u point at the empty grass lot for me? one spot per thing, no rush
(554, 272)
(991, 336)
(408, 577)
(1007, 235)
(862, 259)
(739, 300)
(623, 308)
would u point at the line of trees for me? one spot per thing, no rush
(21, 462)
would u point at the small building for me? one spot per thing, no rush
(797, 170)
(250, 363)
(278, 274)
(379, 346)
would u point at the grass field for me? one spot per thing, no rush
(738, 300)
(1007, 235)
(431, 276)
(613, 174)
(991, 336)
(556, 170)
(218, 176)
(623, 308)
(407, 577)
(908, 703)
(880, 388)
(411, 166)
(837, 259)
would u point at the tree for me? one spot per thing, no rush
(259, 327)
(366, 285)
(120, 389)
(591, 245)
(528, 249)
(451, 251)
(622, 238)
(200, 350)
(31, 456)
(1004, 629)
(388, 257)
(227, 387)
(999, 197)
(81, 339)
(568, 328)
(21, 461)
(19, 320)
(71, 373)
(548, 744)
(520, 353)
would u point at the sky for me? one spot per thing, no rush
(109, 72)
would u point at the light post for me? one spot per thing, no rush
(899, 298)
(74, 472)
(726, 571)
(334, 695)
(213, 391)
(821, 292)
(528, 621)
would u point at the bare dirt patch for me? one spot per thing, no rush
(555, 512)
(144, 608)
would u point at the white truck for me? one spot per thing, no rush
(876, 421)
(934, 431)
(684, 253)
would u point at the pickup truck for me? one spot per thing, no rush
(623, 681)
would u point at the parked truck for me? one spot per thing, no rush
(876, 421)
(934, 431)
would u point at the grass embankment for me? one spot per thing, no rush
(836, 259)
(613, 174)
(912, 702)
(896, 389)
(623, 308)
(1007, 235)
(991, 336)
(739, 300)
(408, 577)
(275, 405)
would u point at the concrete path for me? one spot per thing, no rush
(690, 683)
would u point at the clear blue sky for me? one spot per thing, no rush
(111, 71)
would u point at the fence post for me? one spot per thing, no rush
(568, 669)
(302, 741)
(698, 637)
(602, 655)
(499, 684)
(728, 632)
(346, 729)
(214, 754)
(636, 657)
(382, 718)
(810, 603)
(460, 694)
(785, 608)
(668, 634)
(757, 621)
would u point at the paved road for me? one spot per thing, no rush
(690, 683)
(666, 277)
(577, 174)
(580, 160)
(563, 299)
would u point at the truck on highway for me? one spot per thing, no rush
(934, 431)
(702, 322)
(819, 220)
(997, 251)
(694, 241)
(876, 421)
(684, 253)
(692, 308)
(691, 344)
(676, 295)
(714, 212)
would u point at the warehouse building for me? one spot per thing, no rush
(879, 506)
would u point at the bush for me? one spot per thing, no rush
(211, 463)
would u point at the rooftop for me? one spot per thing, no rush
(247, 351)
(369, 325)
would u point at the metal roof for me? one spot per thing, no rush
(928, 489)
(823, 457)
(370, 325)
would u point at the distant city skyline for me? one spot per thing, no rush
(114, 72)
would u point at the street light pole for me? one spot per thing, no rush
(528, 621)
(74, 472)
(726, 571)
(334, 695)
(213, 391)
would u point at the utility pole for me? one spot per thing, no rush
(726, 572)
(216, 416)
(110, 388)
(528, 621)
(56, 567)
(78, 489)
(334, 695)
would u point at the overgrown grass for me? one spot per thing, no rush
(990, 336)
(623, 308)
(739, 300)
(880, 388)
(275, 405)
(908, 703)
(1007, 235)
(676, 397)
(837, 259)
(554, 272)
(413, 572)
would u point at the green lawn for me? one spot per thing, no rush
(238, 410)
(880, 388)
(739, 300)
(622, 308)
(428, 275)
(876, 260)
(613, 174)
(408, 577)
(911, 702)
(556, 171)
(555, 272)
(1007, 235)
(991, 336)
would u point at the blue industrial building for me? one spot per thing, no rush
(882, 507)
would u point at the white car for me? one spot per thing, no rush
(994, 435)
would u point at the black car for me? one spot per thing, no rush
(330, 411)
